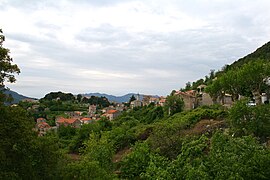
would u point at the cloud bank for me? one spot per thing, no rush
(117, 47)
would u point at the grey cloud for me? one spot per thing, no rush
(48, 26)
(191, 51)
(27, 38)
(100, 2)
(104, 34)
(184, 55)
(29, 5)
(200, 46)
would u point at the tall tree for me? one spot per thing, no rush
(174, 104)
(132, 98)
(254, 74)
(248, 79)
(7, 69)
(22, 154)
(16, 138)
(188, 86)
(79, 97)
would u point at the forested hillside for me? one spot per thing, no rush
(261, 53)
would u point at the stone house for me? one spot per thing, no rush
(74, 114)
(148, 99)
(92, 109)
(189, 99)
(136, 103)
(86, 120)
(205, 99)
(162, 101)
(73, 122)
(40, 120)
(105, 110)
(120, 107)
(226, 100)
(154, 100)
(42, 126)
(112, 114)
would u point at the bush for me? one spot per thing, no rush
(121, 137)
(246, 120)
(136, 162)
(85, 170)
(238, 158)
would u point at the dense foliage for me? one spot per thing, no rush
(7, 68)
(261, 53)
(174, 104)
(250, 120)
(59, 96)
(248, 80)
(167, 147)
(23, 155)
(94, 100)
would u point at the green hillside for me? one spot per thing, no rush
(262, 52)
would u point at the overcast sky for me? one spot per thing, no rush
(122, 46)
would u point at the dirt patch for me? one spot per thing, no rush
(74, 157)
(120, 154)
(204, 126)
(143, 136)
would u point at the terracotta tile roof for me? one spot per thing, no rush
(190, 92)
(184, 93)
(162, 101)
(41, 119)
(86, 119)
(68, 121)
(43, 125)
(112, 111)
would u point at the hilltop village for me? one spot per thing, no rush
(85, 111)
(91, 112)
(103, 109)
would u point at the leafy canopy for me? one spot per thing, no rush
(7, 69)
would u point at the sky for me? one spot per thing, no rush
(122, 46)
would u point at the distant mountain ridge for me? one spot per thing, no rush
(16, 96)
(118, 99)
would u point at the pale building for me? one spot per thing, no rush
(189, 99)
(136, 103)
(112, 114)
(162, 101)
(92, 109)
